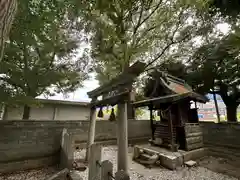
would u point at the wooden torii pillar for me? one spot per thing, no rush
(116, 92)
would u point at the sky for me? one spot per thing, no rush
(80, 94)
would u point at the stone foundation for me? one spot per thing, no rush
(171, 160)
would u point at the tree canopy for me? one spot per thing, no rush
(41, 54)
(215, 68)
(213, 65)
(178, 36)
(125, 31)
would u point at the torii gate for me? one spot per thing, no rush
(115, 92)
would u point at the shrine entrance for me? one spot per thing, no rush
(116, 92)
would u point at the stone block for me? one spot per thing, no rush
(67, 150)
(190, 163)
(194, 154)
(171, 162)
(74, 175)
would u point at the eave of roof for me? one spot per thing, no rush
(170, 98)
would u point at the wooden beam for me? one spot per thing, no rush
(182, 121)
(170, 125)
(170, 98)
(151, 120)
(160, 100)
(111, 100)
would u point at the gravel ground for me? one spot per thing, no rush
(139, 172)
(37, 174)
(136, 170)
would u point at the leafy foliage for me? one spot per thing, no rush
(40, 56)
(125, 31)
(219, 63)
(215, 68)
(212, 68)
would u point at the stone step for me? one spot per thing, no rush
(171, 160)
(150, 161)
(145, 156)
(79, 166)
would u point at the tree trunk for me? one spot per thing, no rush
(8, 10)
(232, 113)
(26, 112)
(216, 107)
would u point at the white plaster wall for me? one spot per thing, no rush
(46, 112)
(13, 113)
(64, 112)
(42, 113)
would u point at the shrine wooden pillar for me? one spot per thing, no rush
(91, 130)
(122, 136)
(170, 125)
(151, 120)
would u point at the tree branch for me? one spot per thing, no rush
(139, 19)
(160, 54)
(53, 57)
(145, 19)
(171, 40)
(147, 31)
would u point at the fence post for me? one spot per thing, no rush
(94, 159)
(122, 175)
(106, 170)
(66, 158)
